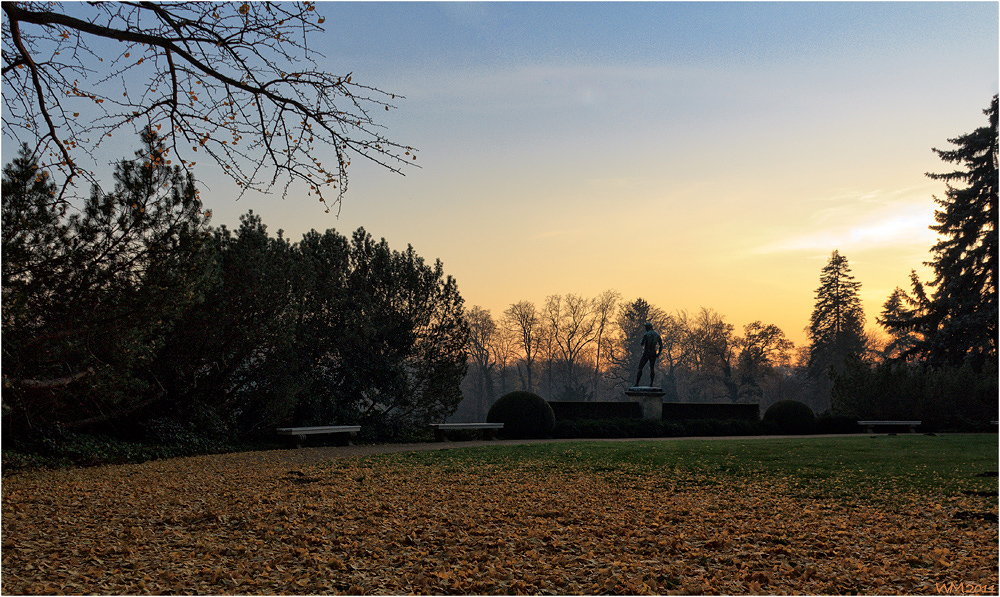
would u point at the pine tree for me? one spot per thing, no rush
(957, 323)
(960, 323)
(899, 305)
(836, 328)
(89, 298)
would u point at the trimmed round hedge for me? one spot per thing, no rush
(524, 415)
(791, 417)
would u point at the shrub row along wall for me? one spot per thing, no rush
(575, 411)
(672, 411)
(681, 411)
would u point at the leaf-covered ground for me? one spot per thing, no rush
(559, 522)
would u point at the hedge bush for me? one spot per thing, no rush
(523, 414)
(828, 423)
(791, 417)
(601, 410)
(642, 428)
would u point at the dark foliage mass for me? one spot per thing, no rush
(133, 318)
(943, 397)
(791, 416)
(941, 364)
(523, 414)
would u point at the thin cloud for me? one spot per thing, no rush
(899, 218)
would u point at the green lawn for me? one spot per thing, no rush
(833, 466)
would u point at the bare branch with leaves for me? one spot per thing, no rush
(236, 81)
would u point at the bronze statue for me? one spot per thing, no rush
(652, 344)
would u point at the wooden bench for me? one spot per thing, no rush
(441, 429)
(870, 425)
(345, 433)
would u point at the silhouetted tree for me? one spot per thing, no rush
(713, 347)
(836, 328)
(383, 334)
(572, 321)
(763, 348)
(899, 306)
(604, 308)
(482, 339)
(89, 299)
(228, 363)
(523, 320)
(959, 322)
(504, 354)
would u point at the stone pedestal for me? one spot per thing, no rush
(650, 398)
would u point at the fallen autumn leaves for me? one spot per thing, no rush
(253, 524)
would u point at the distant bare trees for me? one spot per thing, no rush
(524, 324)
(587, 348)
(482, 337)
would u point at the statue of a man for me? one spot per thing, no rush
(652, 344)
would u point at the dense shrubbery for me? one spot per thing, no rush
(57, 447)
(640, 428)
(565, 410)
(791, 416)
(828, 423)
(710, 410)
(944, 398)
(523, 414)
(137, 321)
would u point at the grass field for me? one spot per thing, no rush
(884, 515)
(832, 466)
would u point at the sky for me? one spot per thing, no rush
(693, 154)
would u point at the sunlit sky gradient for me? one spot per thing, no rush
(692, 154)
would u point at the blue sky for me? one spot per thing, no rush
(694, 154)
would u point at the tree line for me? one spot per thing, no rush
(132, 313)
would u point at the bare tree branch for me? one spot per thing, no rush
(220, 78)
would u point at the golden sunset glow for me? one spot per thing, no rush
(692, 154)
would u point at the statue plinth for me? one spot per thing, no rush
(650, 398)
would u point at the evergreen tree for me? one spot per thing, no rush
(959, 323)
(836, 328)
(228, 362)
(32, 231)
(89, 298)
(382, 335)
(900, 305)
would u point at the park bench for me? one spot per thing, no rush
(344, 432)
(441, 429)
(870, 425)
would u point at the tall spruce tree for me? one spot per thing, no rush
(836, 328)
(959, 323)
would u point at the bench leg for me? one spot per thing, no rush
(869, 429)
(299, 440)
